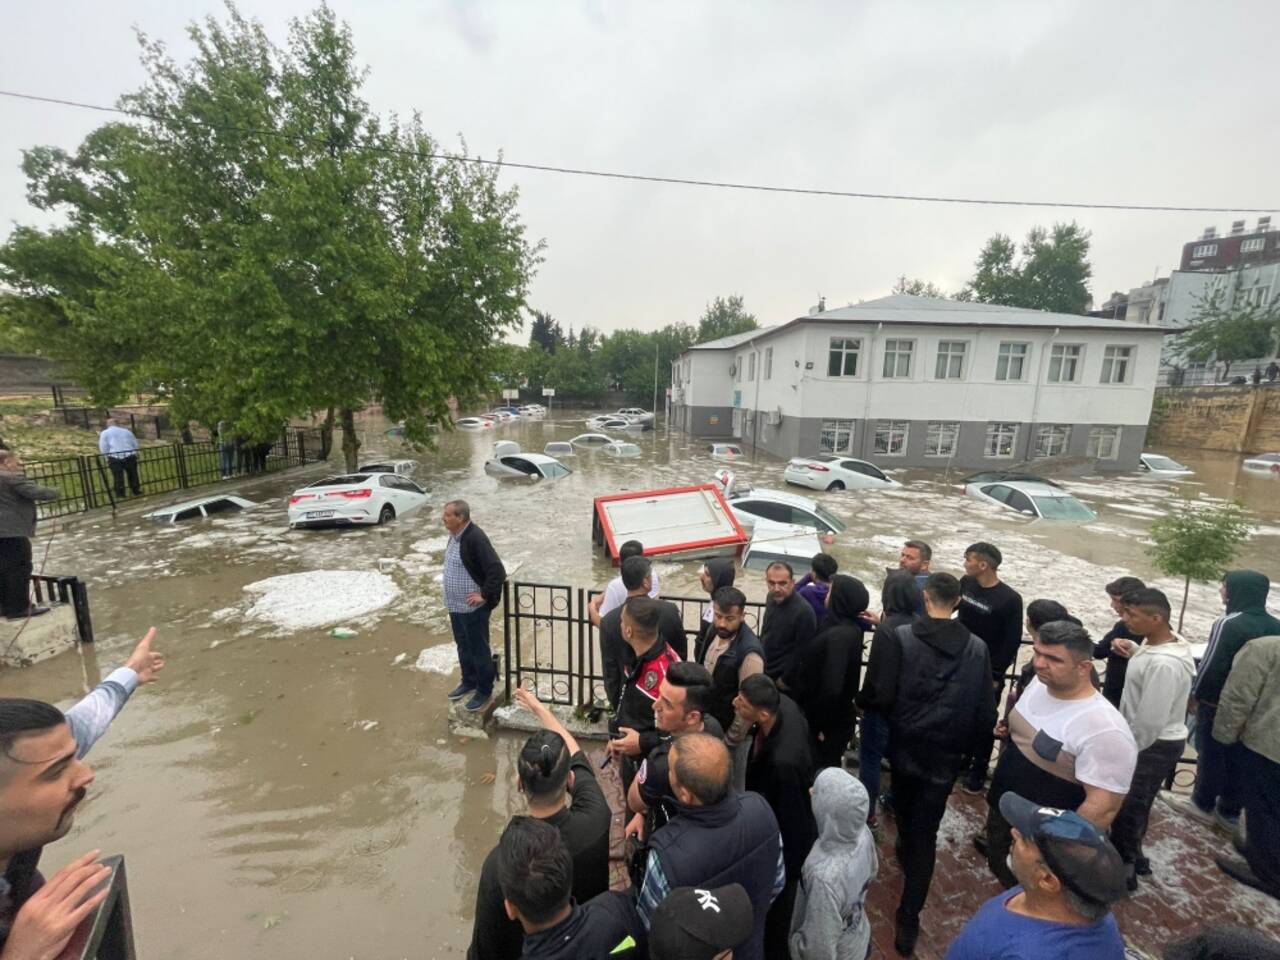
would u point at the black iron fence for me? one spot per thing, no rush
(148, 426)
(550, 645)
(54, 589)
(86, 482)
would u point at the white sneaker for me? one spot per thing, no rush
(1187, 807)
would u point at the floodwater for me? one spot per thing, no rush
(283, 792)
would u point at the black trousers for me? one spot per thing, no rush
(999, 843)
(1155, 765)
(15, 576)
(981, 759)
(1260, 787)
(777, 922)
(918, 806)
(120, 466)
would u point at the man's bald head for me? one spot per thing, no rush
(700, 769)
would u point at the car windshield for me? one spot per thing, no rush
(348, 481)
(830, 519)
(1269, 458)
(1163, 463)
(1063, 508)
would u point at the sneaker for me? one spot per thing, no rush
(478, 701)
(980, 843)
(1142, 867)
(905, 936)
(1241, 871)
(460, 691)
(973, 784)
(1131, 878)
(1224, 824)
(1187, 807)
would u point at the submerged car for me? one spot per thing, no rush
(776, 506)
(559, 448)
(835, 473)
(726, 451)
(203, 507)
(474, 423)
(1264, 463)
(1005, 476)
(404, 468)
(591, 440)
(627, 412)
(1038, 499)
(1158, 465)
(607, 423)
(619, 448)
(355, 499)
(535, 466)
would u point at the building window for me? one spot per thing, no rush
(768, 362)
(897, 358)
(1104, 443)
(1205, 250)
(1256, 296)
(941, 438)
(751, 366)
(836, 436)
(842, 360)
(1115, 364)
(1253, 245)
(891, 438)
(737, 369)
(1002, 440)
(1064, 362)
(1011, 361)
(951, 355)
(1051, 441)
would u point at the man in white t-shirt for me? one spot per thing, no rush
(615, 594)
(1068, 747)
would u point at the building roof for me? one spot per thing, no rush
(903, 308)
(725, 343)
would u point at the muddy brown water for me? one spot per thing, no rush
(282, 792)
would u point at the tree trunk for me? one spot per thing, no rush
(350, 442)
(326, 435)
(1186, 589)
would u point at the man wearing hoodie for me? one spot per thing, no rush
(829, 921)
(1157, 684)
(1215, 798)
(824, 677)
(935, 686)
(1249, 715)
(816, 584)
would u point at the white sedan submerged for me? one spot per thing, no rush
(828, 472)
(1034, 499)
(355, 499)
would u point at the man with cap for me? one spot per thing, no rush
(1069, 875)
(693, 924)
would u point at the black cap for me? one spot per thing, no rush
(693, 924)
(1072, 847)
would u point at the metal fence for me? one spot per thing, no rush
(550, 644)
(72, 590)
(85, 482)
(151, 426)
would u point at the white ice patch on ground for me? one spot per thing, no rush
(430, 545)
(297, 601)
(439, 659)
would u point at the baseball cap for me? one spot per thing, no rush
(1072, 847)
(695, 924)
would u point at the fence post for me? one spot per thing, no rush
(178, 452)
(86, 483)
(302, 448)
(106, 484)
(506, 635)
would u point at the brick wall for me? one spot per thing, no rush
(1240, 419)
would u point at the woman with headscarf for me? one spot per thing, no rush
(824, 676)
(716, 573)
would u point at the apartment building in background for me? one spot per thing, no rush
(916, 381)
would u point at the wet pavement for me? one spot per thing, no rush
(284, 791)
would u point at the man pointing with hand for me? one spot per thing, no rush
(43, 779)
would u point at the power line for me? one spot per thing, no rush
(680, 181)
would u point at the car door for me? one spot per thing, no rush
(386, 492)
(1022, 503)
(997, 492)
(412, 495)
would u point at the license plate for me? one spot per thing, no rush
(319, 514)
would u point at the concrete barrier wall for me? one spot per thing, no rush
(1240, 419)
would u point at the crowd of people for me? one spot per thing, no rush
(754, 832)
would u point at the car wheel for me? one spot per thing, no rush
(387, 512)
(836, 485)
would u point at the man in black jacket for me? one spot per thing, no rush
(18, 496)
(473, 577)
(1117, 665)
(615, 656)
(536, 875)
(932, 679)
(992, 612)
(788, 623)
(780, 769)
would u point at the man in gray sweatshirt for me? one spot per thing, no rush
(1157, 685)
(829, 921)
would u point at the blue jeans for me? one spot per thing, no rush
(471, 633)
(1217, 774)
(871, 750)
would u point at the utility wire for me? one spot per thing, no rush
(648, 178)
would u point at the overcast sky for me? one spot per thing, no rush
(1115, 102)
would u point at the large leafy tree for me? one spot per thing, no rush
(723, 318)
(1050, 272)
(267, 246)
(1231, 324)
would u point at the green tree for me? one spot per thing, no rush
(1050, 272)
(1231, 327)
(723, 318)
(543, 331)
(267, 246)
(1197, 541)
(916, 288)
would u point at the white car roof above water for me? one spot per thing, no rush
(202, 506)
(402, 467)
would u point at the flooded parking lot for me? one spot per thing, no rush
(285, 791)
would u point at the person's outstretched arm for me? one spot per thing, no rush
(90, 718)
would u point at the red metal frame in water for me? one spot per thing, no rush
(602, 529)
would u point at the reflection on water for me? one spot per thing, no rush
(294, 793)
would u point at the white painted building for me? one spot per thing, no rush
(916, 381)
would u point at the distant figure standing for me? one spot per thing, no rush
(473, 577)
(120, 447)
(18, 497)
(1256, 376)
(226, 450)
(1273, 371)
